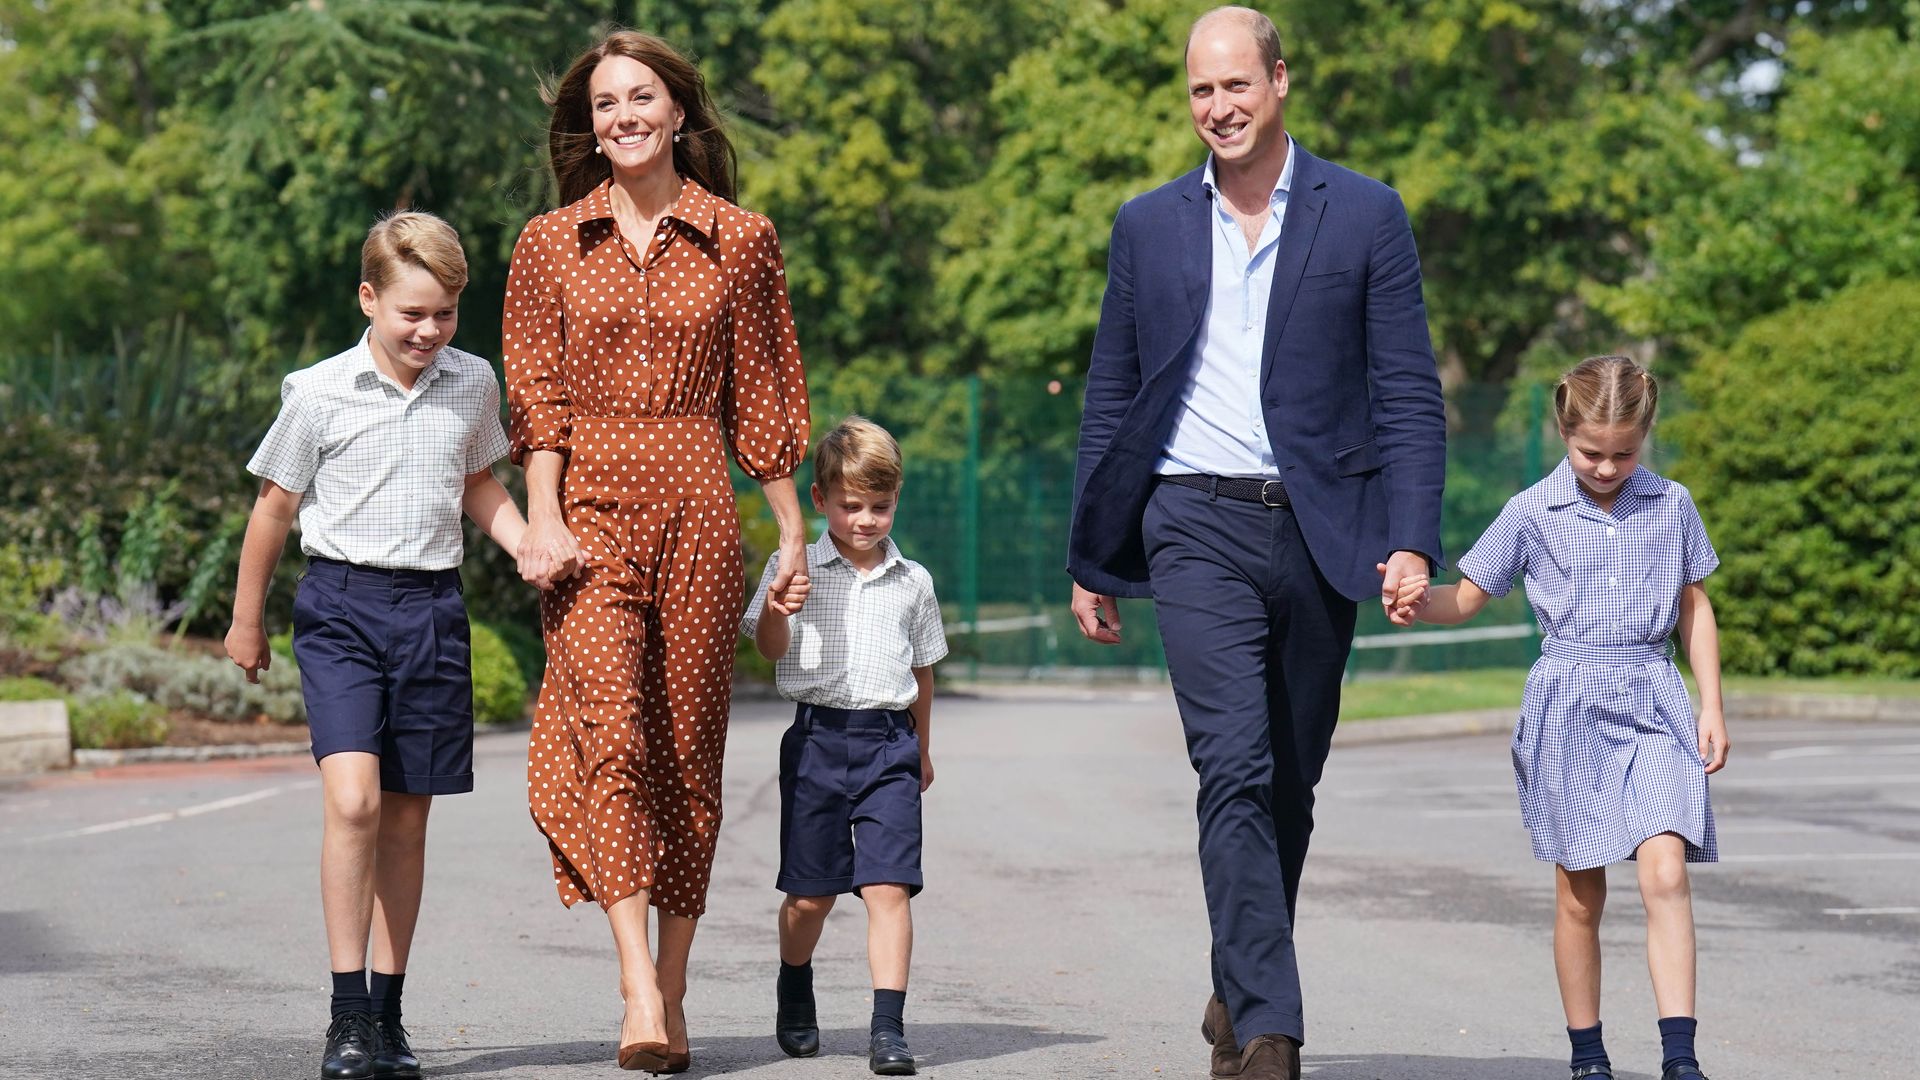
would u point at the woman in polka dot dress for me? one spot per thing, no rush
(647, 328)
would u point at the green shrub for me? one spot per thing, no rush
(26, 582)
(28, 688)
(199, 684)
(1804, 457)
(116, 721)
(499, 689)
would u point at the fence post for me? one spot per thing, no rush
(970, 530)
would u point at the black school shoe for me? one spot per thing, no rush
(1683, 1072)
(352, 1044)
(395, 1061)
(796, 1029)
(888, 1054)
(1581, 1072)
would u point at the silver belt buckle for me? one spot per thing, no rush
(1267, 496)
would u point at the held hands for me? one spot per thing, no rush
(1404, 587)
(547, 554)
(247, 647)
(1098, 616)
(788, 593)
(1713, 739)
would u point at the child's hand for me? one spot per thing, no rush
(788, 591)
(1713, 739)
(247, 647)
(926, 769)
(793, 597)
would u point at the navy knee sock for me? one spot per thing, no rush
(1587, 1047)
(350, 992)
(384, 991)
(889, 1012)
(796, 984)
(1676, 1042)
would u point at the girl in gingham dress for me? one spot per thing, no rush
(1608, 757)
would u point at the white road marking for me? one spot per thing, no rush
(1792, 752)
(1845, 911)
(174, 815)
(1825, 856)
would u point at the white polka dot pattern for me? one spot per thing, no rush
(642, 367)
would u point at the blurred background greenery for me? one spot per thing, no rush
(1726, 189)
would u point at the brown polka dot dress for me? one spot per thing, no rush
(643, 363)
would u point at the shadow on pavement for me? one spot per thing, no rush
(934, 1044)
(1432, 1067)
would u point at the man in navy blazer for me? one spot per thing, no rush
(1263, 447)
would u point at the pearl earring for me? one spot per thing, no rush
(676, 136)
(596, 148)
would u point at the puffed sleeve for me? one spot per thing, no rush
(1500, 555)
(766, 404)
(533, 335)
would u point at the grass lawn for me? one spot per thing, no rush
(1499, 688)
(1439, 692)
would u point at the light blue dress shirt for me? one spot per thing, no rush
(1220, 428)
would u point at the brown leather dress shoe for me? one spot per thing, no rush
(1217, 1028)
(1270, 1057)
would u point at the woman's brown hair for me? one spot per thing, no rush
(703, 153)
(1606, 391)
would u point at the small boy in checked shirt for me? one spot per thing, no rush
(858, 660)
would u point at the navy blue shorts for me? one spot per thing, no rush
(849, 801)
(385, 666)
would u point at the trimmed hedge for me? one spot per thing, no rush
(1803, 452)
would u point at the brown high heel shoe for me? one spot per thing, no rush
(647, 1056)
(678, 1062)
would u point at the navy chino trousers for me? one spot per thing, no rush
(1256, 642)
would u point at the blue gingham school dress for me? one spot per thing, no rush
(1605, 753)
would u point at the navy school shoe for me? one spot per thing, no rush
(888, 1054)
(395, 1061)
(352, 1044)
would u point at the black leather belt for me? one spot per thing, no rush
(1265, 492)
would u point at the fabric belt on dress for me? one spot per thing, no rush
(1580, 652)
(1270, 493)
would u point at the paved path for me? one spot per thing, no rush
(162, 921)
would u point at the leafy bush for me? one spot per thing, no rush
(116, 721)
(1804, 458)
(499, 689)
(26, 580)
(27, 688)
(199, 684)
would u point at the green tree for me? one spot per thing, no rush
(1804, 460)
(1826, 195)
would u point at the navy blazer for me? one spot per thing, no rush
(1347, 381)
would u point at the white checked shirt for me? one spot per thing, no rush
(858, 638)
(383, 470)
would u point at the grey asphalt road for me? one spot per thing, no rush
(163, 921)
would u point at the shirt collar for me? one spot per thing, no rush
(365, 369)
(1280, 190)
(823, 552)
(1563, 488)
(696, 207)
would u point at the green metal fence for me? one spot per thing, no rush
(989, 483)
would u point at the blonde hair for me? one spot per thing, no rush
(1606, 391)
(413, 238)
(860, 456)
(1266, 36)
